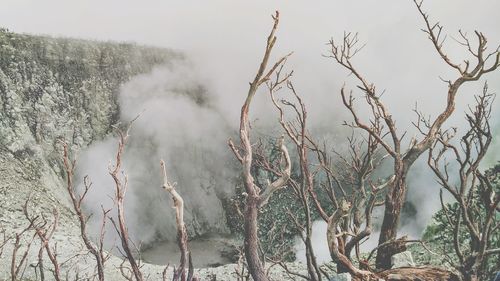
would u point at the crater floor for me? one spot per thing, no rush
(207, 251)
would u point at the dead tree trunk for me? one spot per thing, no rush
(476, 200)
(255, 197)
(120, 190)
(394, 201)
(77, 200)
(182, 236)
(333, 244)
(404, 159)
(255, 265)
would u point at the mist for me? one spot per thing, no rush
(223, 42)
(176, 121)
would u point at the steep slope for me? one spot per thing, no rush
(54, 89)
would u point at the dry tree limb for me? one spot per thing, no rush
(40, 265)
(281, 181)
(17, 265)
(473, 193)
(388, 135)
(255, 200)
(333, 245)
(123, 271)
(77, 200)
(45, 231)
(121, 184)
(164, 272)
(182, 236)
(5, 239)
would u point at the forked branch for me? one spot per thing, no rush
(244, 153)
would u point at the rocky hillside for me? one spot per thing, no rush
(52, 89)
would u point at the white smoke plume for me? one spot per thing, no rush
(225, 40)
(178, 123)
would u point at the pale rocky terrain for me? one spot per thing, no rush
(19, 180)
(53, 89)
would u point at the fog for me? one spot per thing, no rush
(189, 133)
(223, 42)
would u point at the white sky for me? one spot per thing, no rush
(226, 38)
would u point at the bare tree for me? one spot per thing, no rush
(257, 196)
(475, 213)
(182, 235)
(352, 206)
(302, 187)
(96, 250)
(351, 222)
(121, 183)
(364, 191)
(389, 137)
(45, 230)
(18, 265)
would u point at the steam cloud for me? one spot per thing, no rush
(220, 37)
(179, 123)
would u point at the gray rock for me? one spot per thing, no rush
(395, 277)
(341, 277)
(403, 259)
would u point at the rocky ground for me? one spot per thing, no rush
(25, 177)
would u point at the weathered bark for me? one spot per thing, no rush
(256, 198)
(120, 190)
(332, 238)
(251, 241)
(182, 236)
(417, 274)
(96, 251)
(394, 201)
